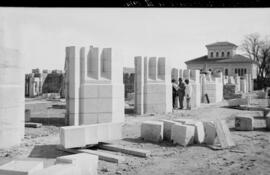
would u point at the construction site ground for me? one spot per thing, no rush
(250, 156)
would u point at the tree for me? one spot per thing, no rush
(259, 51)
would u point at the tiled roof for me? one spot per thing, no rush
(234, 59)
(224, 43)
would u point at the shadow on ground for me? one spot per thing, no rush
(49, 121)
(139, 140)
(46, 151)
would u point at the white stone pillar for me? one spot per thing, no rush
(12, 84)
(139, 85)
(73, 56)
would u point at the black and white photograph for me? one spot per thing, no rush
(135, 91)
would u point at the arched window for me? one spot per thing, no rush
(222, 54)
(216, 54)
(245, 71)
(211, 54)
(228, 54)
(226, 72)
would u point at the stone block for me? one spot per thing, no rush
(89, 118)
(87, 163)
(199, 130)
(167, 130)
(91, 134)
(72, 136)
(103, 132)
(21, 167)
(152, 131)
(183, 134)
(115, 131)
(105, 117)
(89, 90)
(60, 169)
(210, 132)
(244, 123)
(259, 122)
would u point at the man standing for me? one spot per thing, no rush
(181, 92)
(174, 95)
(188, 92)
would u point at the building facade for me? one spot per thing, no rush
(222, 57)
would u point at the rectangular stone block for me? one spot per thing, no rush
(72, 136)
(87, 163)
(88, 118)
(89, 90)
(105, 117)
(167, 129)
(103, 132)
(60, 169)
(199, 131)
(91, 134)
(21, 167)
(152, 131)
(183, 134)
(210, 132)
(244, 123)
(115, 131)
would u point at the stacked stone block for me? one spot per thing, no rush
(153, 90)
(95, 86)
(213, 87)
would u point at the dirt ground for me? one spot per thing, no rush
(250, 156)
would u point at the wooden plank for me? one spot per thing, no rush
(126, 150)
(104, 156)
(223, 134)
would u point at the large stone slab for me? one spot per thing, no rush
(21, 167)
(80, 136)
(60, 169)
(152, 131)
(244, 123)
(167, 129)
(199, 129)
(87, 163)
(74, 136)
(183, 134)
(210, 132)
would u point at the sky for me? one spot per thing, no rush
(179, 34)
